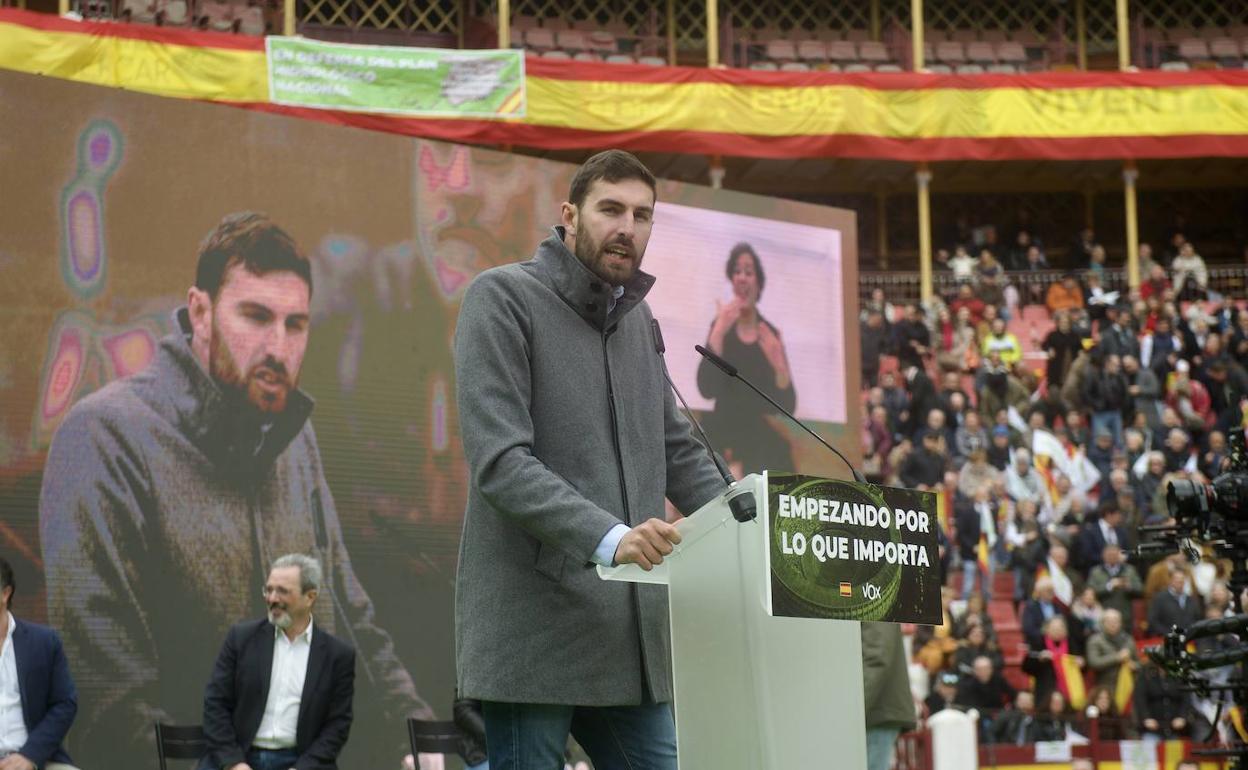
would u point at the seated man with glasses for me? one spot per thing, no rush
(255, 714)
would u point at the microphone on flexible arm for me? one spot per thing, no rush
(742, 505)
(731, 371)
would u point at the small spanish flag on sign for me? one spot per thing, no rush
(847, 590)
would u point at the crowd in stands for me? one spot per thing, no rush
(1050, 419)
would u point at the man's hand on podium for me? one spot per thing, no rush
(647, 543)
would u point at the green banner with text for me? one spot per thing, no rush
(849, 551)
(428, 82)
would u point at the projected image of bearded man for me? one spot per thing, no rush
(168, 493)
(739, 425)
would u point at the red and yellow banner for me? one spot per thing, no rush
(900, 116)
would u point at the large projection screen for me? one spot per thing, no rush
(104, 200)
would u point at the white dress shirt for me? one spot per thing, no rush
(281, 712)
(12, 724)
(1109, 533)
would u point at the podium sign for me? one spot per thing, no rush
(752, 691)
(849, 551)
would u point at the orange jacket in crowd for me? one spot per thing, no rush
(1059, 298)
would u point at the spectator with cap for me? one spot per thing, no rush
(924, 468)
(999, 448)
(943, 695)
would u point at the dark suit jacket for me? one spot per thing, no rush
(1164, 611)
(49, 699)
(1032, 621)
(235, 697)
(1092, 543)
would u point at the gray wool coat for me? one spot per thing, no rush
(569, 429)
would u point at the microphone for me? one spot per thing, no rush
(731, 371)
(322, 549)
(743, 506)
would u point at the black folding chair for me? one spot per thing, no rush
(429, 737)
(179, 742)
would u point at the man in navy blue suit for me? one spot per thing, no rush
(37, 696)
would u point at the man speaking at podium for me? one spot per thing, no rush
(573, 439)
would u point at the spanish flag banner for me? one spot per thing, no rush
(898, 116)
(1237, 719)
(1072, 678)
(1124, 688)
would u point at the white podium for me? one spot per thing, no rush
(752, 692)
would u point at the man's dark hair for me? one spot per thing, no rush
(6, 578)
(731, 267)
(609, 166)
(252, 240)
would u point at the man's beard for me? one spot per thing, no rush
(241, 388)
(593, 256)
(283, 621)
